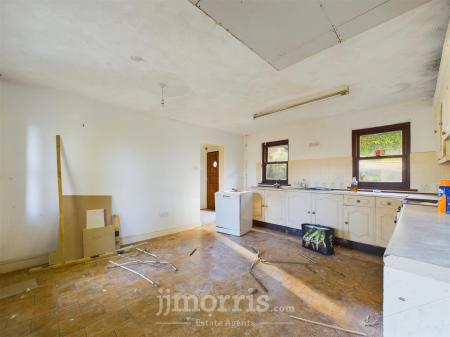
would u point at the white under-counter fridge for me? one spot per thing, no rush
(234, 212)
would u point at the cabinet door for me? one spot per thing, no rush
(258, 205)
(361, 224)
(274, 207)
(327, 211)
(298, 209)
(386, 221)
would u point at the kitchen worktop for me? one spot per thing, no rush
(402, 195)
(421, 243)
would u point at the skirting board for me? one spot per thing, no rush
(378, 251)
(17, 264)
(126, 240)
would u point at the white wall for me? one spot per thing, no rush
(334, 134)
(149, 165)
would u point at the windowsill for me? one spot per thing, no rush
(271, 184)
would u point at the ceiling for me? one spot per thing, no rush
(286, 32)
(119, 53)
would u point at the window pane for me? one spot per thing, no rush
(388, 170)
(276, 172)
(277, 153)
(381, 144)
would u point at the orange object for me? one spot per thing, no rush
(444, 196)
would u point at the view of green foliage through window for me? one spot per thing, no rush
(275, 162)
(381, 159)
(380, 145)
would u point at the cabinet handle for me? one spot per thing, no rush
(358, 201)
(313, 212)
(389, 204)
(346, 222)
(309, 212)
(395, 221)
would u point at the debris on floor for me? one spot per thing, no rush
(153, 283)
(329, 326)
(252, 291)
(132, 260)
(17, 288)
(192, 253)
(372, 320)
(259, 259)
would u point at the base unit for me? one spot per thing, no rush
(362, 247)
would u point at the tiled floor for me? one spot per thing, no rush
(95, 300)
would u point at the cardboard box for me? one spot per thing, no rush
(97, 241)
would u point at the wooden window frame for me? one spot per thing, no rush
(406, 150)
(265, 147)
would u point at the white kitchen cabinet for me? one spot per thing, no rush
(258, 205)
(327, 210)
(274, 207)
(441, 104)
(360, 222)
(298, 209)
(385, 225)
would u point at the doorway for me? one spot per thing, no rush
(212, 178)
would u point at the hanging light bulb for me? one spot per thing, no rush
(162, 85)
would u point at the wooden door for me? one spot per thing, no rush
(298, 209)
(212, 176)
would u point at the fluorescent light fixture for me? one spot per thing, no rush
(339, 91)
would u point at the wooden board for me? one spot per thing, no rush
(97, 241)
(75, 207)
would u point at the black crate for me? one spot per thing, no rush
(318, 238)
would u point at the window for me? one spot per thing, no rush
(275, 156)
(381, 156)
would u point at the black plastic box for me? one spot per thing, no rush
(318, 238)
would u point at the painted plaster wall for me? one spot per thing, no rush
(329, 163)
(150, 166)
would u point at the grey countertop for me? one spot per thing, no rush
(402, 195)
(421, 243)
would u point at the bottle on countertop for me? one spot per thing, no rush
(354, 185)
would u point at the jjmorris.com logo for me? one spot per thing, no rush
(215, 303)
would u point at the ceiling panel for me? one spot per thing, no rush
(377, 16)
(288, 31)
(271, 28)
(343, 11)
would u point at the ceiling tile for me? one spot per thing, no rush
(343, 11)
(270, 28)
(285, 32)
(377, 16)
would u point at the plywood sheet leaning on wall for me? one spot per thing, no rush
(75, 207)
